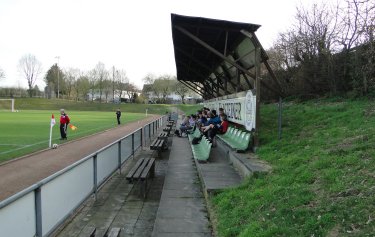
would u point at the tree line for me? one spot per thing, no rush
(330, 49)
(99, 84)
(158, 88)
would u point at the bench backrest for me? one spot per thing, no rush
(234, 134)
(229, 132)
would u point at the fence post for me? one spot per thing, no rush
(133, 144)
(38, 212)
(95, 163)
(142, 138)
(119, 156)
(149, 132)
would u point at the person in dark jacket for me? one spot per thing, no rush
(64, 121)
(118, 115)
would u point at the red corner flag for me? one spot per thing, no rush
(53, 122)
(50, 130)
(72, 127)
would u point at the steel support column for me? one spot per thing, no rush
(257, 93)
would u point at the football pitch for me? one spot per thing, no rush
(28, 130)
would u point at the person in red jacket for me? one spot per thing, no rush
(220, 128)
(64, 121)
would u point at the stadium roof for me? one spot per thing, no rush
(217, 57)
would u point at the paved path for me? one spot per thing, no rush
(182, 210)
(22, 173)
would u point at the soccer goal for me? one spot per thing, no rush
(7, 105)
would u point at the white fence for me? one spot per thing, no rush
(41, 208)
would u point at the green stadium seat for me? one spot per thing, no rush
(202, 150)
(237, 139)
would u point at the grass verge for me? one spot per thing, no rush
(323, 178)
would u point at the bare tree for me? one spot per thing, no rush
(121, 81)
(2, 74)
(148, 87)
(181, 90)
(92, 83)
(130, 89)
(101, 74)
(107, 88)
(82, 86)
(30, 67)
(71, 75)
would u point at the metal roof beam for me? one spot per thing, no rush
(214, 51)
(191, 88)
(193, 71)
(217, 53)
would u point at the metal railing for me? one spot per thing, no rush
(41, 208)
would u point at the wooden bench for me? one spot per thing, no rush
(169, 127)
(170, 123)
(142, 170)
(167, 130)
(158, 145)
(163, 135)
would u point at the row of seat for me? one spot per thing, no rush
(201, 151)
(196, 133)
(236, 139)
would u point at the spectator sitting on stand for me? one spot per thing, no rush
(214, 120)
(184, 126)
(192, 123)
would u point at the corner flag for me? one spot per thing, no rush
(72, 127)
(53, 122)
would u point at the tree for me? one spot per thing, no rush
(100, 74)
(107, 88)
(55, 79)
(130, 90)
(30, 67)
(181, 90)
(121, 81)
(148, 89)
(164, 85)
(357, 41)
(92, 83)
(82, 86)
(71, 75)
(2, 74)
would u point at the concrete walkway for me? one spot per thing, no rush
(118, 205)
(175, 205)
(218, 173)
(182, 209)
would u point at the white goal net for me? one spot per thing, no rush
(7, 105)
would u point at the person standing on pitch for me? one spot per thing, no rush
(64, 121)
(118, 115)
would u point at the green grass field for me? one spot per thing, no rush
(323, 178)
(54, 104)
(28, 130)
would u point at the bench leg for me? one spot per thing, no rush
(165, 145)
(152, 171)
(159, 153)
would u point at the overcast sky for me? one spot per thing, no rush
(131, 35)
